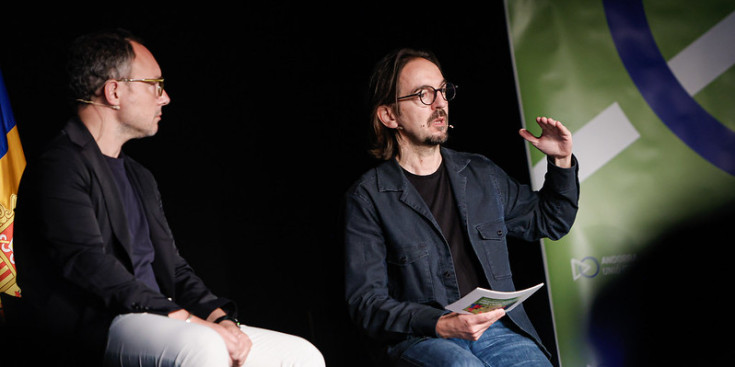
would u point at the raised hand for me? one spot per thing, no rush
(555, 140)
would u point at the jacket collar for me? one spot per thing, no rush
(390, 175)
(79, 134)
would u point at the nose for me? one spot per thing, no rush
(439, 101)
(164, 99)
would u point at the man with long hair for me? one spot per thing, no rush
(429, 224)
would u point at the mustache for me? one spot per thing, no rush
(437, 114)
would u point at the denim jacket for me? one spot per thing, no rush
(399, 271)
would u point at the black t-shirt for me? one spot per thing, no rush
(143, 253)
(436, 190)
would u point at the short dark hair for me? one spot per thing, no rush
(96, 58)
(383, 92)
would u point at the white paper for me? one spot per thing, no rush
(483, 300)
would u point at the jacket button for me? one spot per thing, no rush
(500, 233)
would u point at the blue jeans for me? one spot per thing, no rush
(498, 346)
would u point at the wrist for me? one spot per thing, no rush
(227, 317)
(563, 162)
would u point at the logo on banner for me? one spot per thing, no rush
(590, 267)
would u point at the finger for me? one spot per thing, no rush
(240, 356)
(500, 312)
(244, 352)
(557, 129)
(549, 127)
(547, 122)
(543, 120)
(476, 336)
(563, 129)
(235, 330)
(555, 125)
(494, 315)
(525, 134)
(247, 344)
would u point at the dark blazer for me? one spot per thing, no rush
(72, 245)
(399, 271)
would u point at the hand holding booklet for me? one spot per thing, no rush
(483, 300)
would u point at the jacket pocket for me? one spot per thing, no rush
(409, 277)
(492, 239)
(495, 231)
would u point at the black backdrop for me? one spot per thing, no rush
(268, 127)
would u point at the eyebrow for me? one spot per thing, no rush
(443, 83)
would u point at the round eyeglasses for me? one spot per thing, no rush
(427, 95)
(157, 82)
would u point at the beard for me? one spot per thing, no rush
(437, 139)
(443, 136)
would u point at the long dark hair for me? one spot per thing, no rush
(383, 92)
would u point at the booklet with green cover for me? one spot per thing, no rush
(483, 300)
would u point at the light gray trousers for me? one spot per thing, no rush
(142, 339)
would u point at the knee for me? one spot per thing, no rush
(200, 347)
(470, 363)
(305, 354)
(276, 348)
(458, 362)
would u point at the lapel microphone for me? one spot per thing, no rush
(114, 107)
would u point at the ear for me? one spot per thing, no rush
(387, 116)
(110, 92)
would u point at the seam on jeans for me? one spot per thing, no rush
(411, 361)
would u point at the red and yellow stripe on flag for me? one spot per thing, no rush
(12, 163)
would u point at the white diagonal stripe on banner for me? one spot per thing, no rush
(610, 132)
(598, 141)
(706, 58)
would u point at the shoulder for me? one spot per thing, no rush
(58, 172)
(366, 182)
(59, 157)
(376, 185)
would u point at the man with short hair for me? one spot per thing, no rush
(96, 259)
(429, 225)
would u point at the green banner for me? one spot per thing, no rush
(647, 88)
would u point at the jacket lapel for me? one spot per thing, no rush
(93, 157)
(455, 166)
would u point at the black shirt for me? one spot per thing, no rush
(143, 253)
(436, 190)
